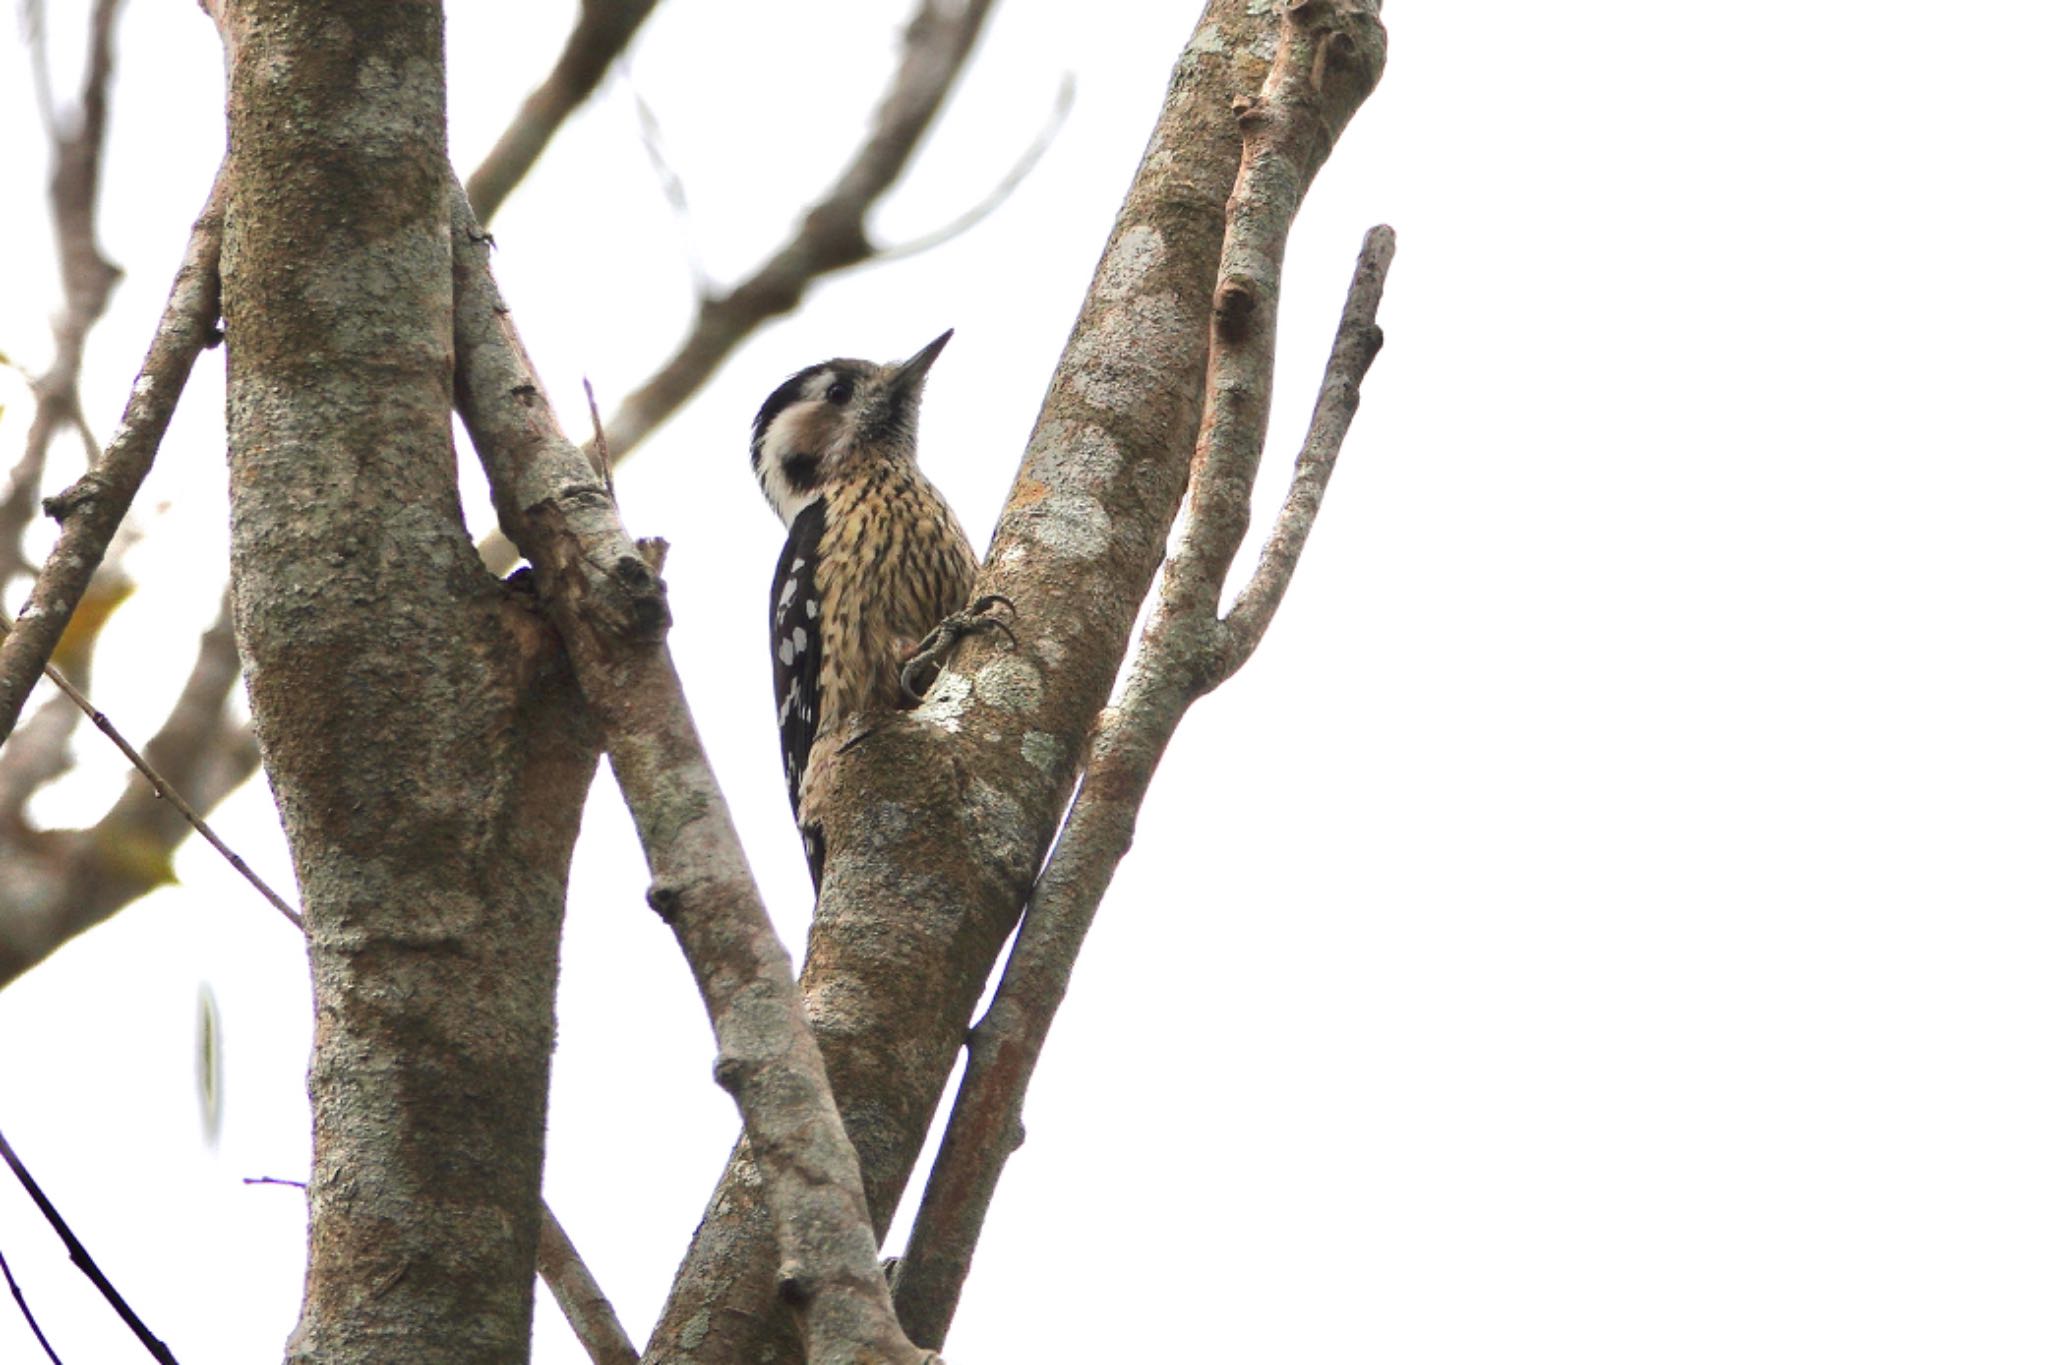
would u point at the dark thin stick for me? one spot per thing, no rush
(164, 789)
(272, 1180)
(22, 1300)
(83, 1260)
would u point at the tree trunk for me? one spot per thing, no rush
(418, 723)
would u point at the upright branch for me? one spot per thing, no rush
(1329, 58)
(604, 29)
(91, 509)
(935, 823)
(610, 608)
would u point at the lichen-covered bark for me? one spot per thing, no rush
(421, 730)
(612, 611)
(936, 824)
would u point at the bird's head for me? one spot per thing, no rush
(826, 420)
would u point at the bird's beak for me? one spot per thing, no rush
(909, 375)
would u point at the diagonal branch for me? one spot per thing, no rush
(604, 29)
(70, 880)
(83, 1259)
(610, 608)
(1326, 65)
(28, 1314)
(833, 233)
(582, 1302)
(91, 509)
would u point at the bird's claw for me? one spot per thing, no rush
(921, 669)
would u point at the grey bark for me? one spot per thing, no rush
(420, 727)
(611, 608)
(936, 824)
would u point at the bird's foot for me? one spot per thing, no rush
(921, 669)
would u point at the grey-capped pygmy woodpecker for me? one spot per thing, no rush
(872, 586)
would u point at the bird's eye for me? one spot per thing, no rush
(840, 392)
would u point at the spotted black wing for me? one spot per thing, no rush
(797, 644)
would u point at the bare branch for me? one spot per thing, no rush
(83, 1259)
(1062, 106)
(77, 143)
(1358, 341)
(169, 795)
(21, 1300)
(72, 880)
(833, 234)
(1329, 58)
(92, 508)
(944, 816)
(610, 609)
(603, 30)
(589, 1312)
(40, 750)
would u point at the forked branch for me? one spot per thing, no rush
(610, 608)
(1330, 57)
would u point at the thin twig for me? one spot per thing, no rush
(163, 788)
(91, 509)
(600, 449)
(273, 1180)
(1327, 63)
(1358, 341)
(656, 146)
(77, 144)
(611, 612)
(83, 1260)
(22, 1301)
(582, 1302)
(1062, 106)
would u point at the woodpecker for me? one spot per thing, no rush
(872, 586)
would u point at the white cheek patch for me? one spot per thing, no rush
(787, 435)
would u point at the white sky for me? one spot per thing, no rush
(1605, 921)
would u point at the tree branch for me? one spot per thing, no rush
(604, 29)
(83, 1259)
(91, 509)
(936, 823)
(1358, 342)
(1328, 61)
(610, 609)
(28, 1314)
(67, 881)
(88, 277)
(582, 1302)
